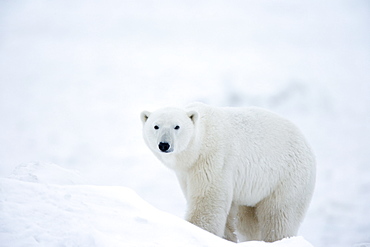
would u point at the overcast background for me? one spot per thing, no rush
(75, 75)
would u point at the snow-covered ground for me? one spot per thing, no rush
(75, 75)
(35, 212)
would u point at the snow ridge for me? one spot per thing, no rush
(45, 205)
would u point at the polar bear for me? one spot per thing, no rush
(244, 171)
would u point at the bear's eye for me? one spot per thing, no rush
(177, 127)
(156, 127)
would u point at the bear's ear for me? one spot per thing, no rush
(193, 115)
(144, 116)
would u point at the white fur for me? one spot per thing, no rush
(243, 170)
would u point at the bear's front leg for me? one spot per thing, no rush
(209, 211)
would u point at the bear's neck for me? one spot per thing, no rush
(184, 160)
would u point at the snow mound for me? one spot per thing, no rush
(40, 214)
(39, 172)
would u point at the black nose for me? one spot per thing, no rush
(164, 146)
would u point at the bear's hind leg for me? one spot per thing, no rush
(277, 220)
(247, 224)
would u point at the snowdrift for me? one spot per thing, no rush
(46, 205)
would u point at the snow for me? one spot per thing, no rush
(75, 75)
(37, 212)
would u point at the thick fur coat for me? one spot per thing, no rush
(243, 171)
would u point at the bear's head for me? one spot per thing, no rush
(168, 130)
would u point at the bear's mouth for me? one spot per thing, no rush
(167, 151)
